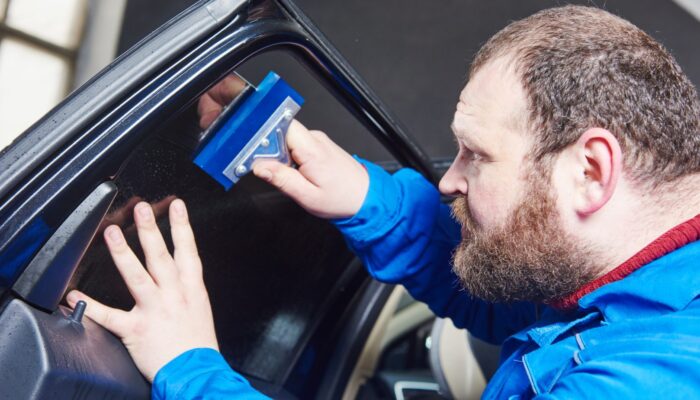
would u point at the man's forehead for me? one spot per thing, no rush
(493, 96)
(461, 123)
(467, 109)
(467, 129)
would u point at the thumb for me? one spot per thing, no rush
(112, 319)
(288, 180)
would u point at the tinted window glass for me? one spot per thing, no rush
(320, 111)
(270, 267)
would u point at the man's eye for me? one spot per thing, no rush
(470, 155)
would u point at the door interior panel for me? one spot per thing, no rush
(45, 279)
(52, 356)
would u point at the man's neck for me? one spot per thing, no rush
(680, 235)
(638, 217)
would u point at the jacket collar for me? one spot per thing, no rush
(669, 242)
(665, 285)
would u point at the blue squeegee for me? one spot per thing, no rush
(252, 127)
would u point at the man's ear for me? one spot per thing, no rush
(599, 162)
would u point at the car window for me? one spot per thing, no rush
(269, 266)
(320, 111)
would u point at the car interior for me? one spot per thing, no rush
(412, 354)
(295, 311)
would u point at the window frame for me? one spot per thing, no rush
(80, 143)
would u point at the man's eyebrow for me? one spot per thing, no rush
(461, 135)
(456, 132)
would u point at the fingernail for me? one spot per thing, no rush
(179, 207)
(72, 297)
(144, 211)
(114, 234)
(264, 173)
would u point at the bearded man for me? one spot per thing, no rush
(577, 194)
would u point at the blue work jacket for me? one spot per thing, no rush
(638, 337)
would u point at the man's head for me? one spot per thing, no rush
(568, 115)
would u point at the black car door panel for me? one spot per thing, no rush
(60, 177)
(51, 356)
(44, 280)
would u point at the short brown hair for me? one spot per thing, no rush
(583, 67)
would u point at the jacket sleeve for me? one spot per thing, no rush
(405, 235)
(201, 374)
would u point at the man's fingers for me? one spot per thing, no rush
(288, 180)
(158, 259)
(302, 144)
(186, 256)
(207, 109)
(227, 89)
(161, 207)
(140, 284)
(212, 102)
(112, 319)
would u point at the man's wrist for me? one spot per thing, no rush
(380, 205)
(176, 375)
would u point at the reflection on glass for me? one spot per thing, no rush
(31, 82)
(56, 21)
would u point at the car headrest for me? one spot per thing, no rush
(460, 363)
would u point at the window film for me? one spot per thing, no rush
(267, 264)
(270, 267)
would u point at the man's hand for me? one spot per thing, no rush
(329, 183)
(215, 99)
(172, 312)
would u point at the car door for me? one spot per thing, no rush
(292, 305)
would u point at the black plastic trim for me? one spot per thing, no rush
(49, 356)
(352, 340)
(44, 280)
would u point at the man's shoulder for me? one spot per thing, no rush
(634, 358)
(673, 331)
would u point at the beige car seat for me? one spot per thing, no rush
(461, 363)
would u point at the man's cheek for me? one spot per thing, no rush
(486, 210)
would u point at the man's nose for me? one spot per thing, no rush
(453, 183)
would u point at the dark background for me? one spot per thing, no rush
(415, 54)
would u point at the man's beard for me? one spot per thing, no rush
(529, 258)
